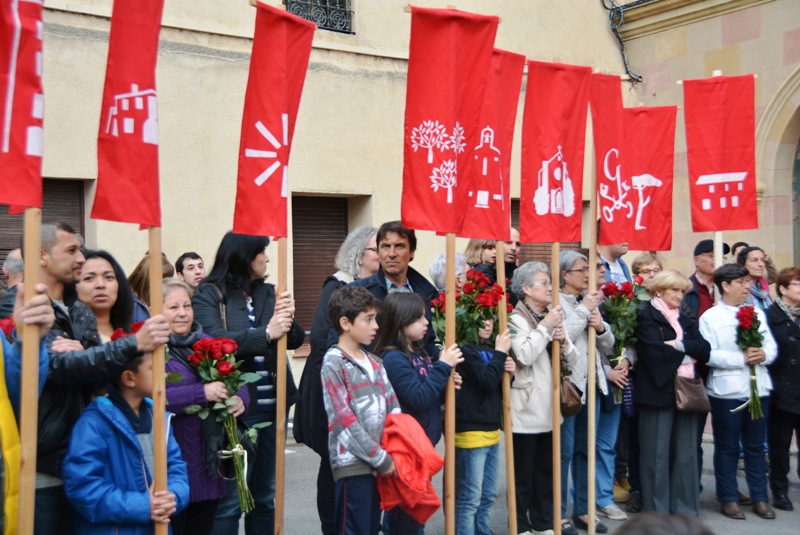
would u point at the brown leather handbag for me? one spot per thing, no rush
(570, 398)
(690, 395)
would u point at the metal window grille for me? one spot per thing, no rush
(334, 15)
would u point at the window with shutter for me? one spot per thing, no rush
(535, 251)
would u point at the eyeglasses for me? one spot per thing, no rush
(794, 283)
(600, 265)
(547, 284)
(584, 270)
(649, 271)
(743, 280)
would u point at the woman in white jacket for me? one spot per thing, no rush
(729, 388)
(534, 325)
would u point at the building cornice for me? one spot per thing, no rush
(664, 15)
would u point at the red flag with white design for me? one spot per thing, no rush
(21, 104)
(488, 211)
(553, 140)
(615, 204)
(650, 163)
(448, 65)
(278, 65)
(127, 145)
(720, 149)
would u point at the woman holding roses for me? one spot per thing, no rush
(741, 348)
(668, 343)
(199, 440)
(234, 301)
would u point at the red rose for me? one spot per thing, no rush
(482, 283)
(469, 287)
(229, 346)
(473, 274)
(626, 287)
(509, 308)
(610, 289)
(638, 280)
(485, 300)
(193, 360)
(7, 325)
(225, 368)
(497, 289)
(202, 345)
(215, 351)
(746, 315)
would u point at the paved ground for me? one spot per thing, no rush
(301, 515)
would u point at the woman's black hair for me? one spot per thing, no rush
(741, 258)
(121, 314)
(231, 269)
(399, 310)
(728, 273)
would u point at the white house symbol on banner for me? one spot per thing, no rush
(723, 186)
(488, 157)
(555, 193)
(130, 117)
(256, 153)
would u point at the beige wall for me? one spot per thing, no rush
(750, 36)
(348, 138)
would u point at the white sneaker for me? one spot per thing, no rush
(612, 512)
(545, 532)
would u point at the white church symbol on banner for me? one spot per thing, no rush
(555, 193)
(641, 183)
(488, 157)
(256, 153)
(34, 135)
(724, 187)
(619, 201)
(135, 114)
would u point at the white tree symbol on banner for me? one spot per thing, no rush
(640, 183)
(429, 135)
(255, 153)
(445, 176)
(457, 140)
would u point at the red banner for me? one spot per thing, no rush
(278, 65)
(127, 145)
(720, 146)
(649, 164)
(553, 139)
(21, 104)
(615, 203)
(448, 65)
(488, 212)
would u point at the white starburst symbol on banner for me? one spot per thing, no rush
(256, 153)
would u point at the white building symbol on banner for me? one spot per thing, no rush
(555, 193)
(34, 135)
(725, 182)
(256, 153)
(488, 157)
(135, 114)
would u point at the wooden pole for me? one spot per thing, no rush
(29, 404)
(159, 383)
(450, 393)
(591, 364)
(280, 402)
(502, 316)
(718, 251)
(555, 362)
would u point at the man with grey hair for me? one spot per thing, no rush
(13, 269)
(438, 271)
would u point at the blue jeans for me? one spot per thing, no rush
(53, 514)
(261, 479)
(729, 428)
(567, 448)
(580, 460)
(476, 488)
(358, 506)
(607, 429)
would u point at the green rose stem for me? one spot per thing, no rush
(245, 497)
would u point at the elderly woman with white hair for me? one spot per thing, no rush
(357, 259)
(535, 325)
(581, 312)
(438, 271)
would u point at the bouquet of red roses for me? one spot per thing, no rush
(747, 335)
(215, 360)
(475, 304)
(619, 309)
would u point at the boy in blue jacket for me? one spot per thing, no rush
(108, 470)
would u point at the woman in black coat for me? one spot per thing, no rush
(667, 344)
(235, 302)
(783, 318)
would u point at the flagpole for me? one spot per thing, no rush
(280, 402)
(29, 404)
(718, 250)
(159, 384)
(592, 358)
(555, 363)
(450, 393)
(502, 314)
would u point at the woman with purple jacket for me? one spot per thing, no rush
(199, 440)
